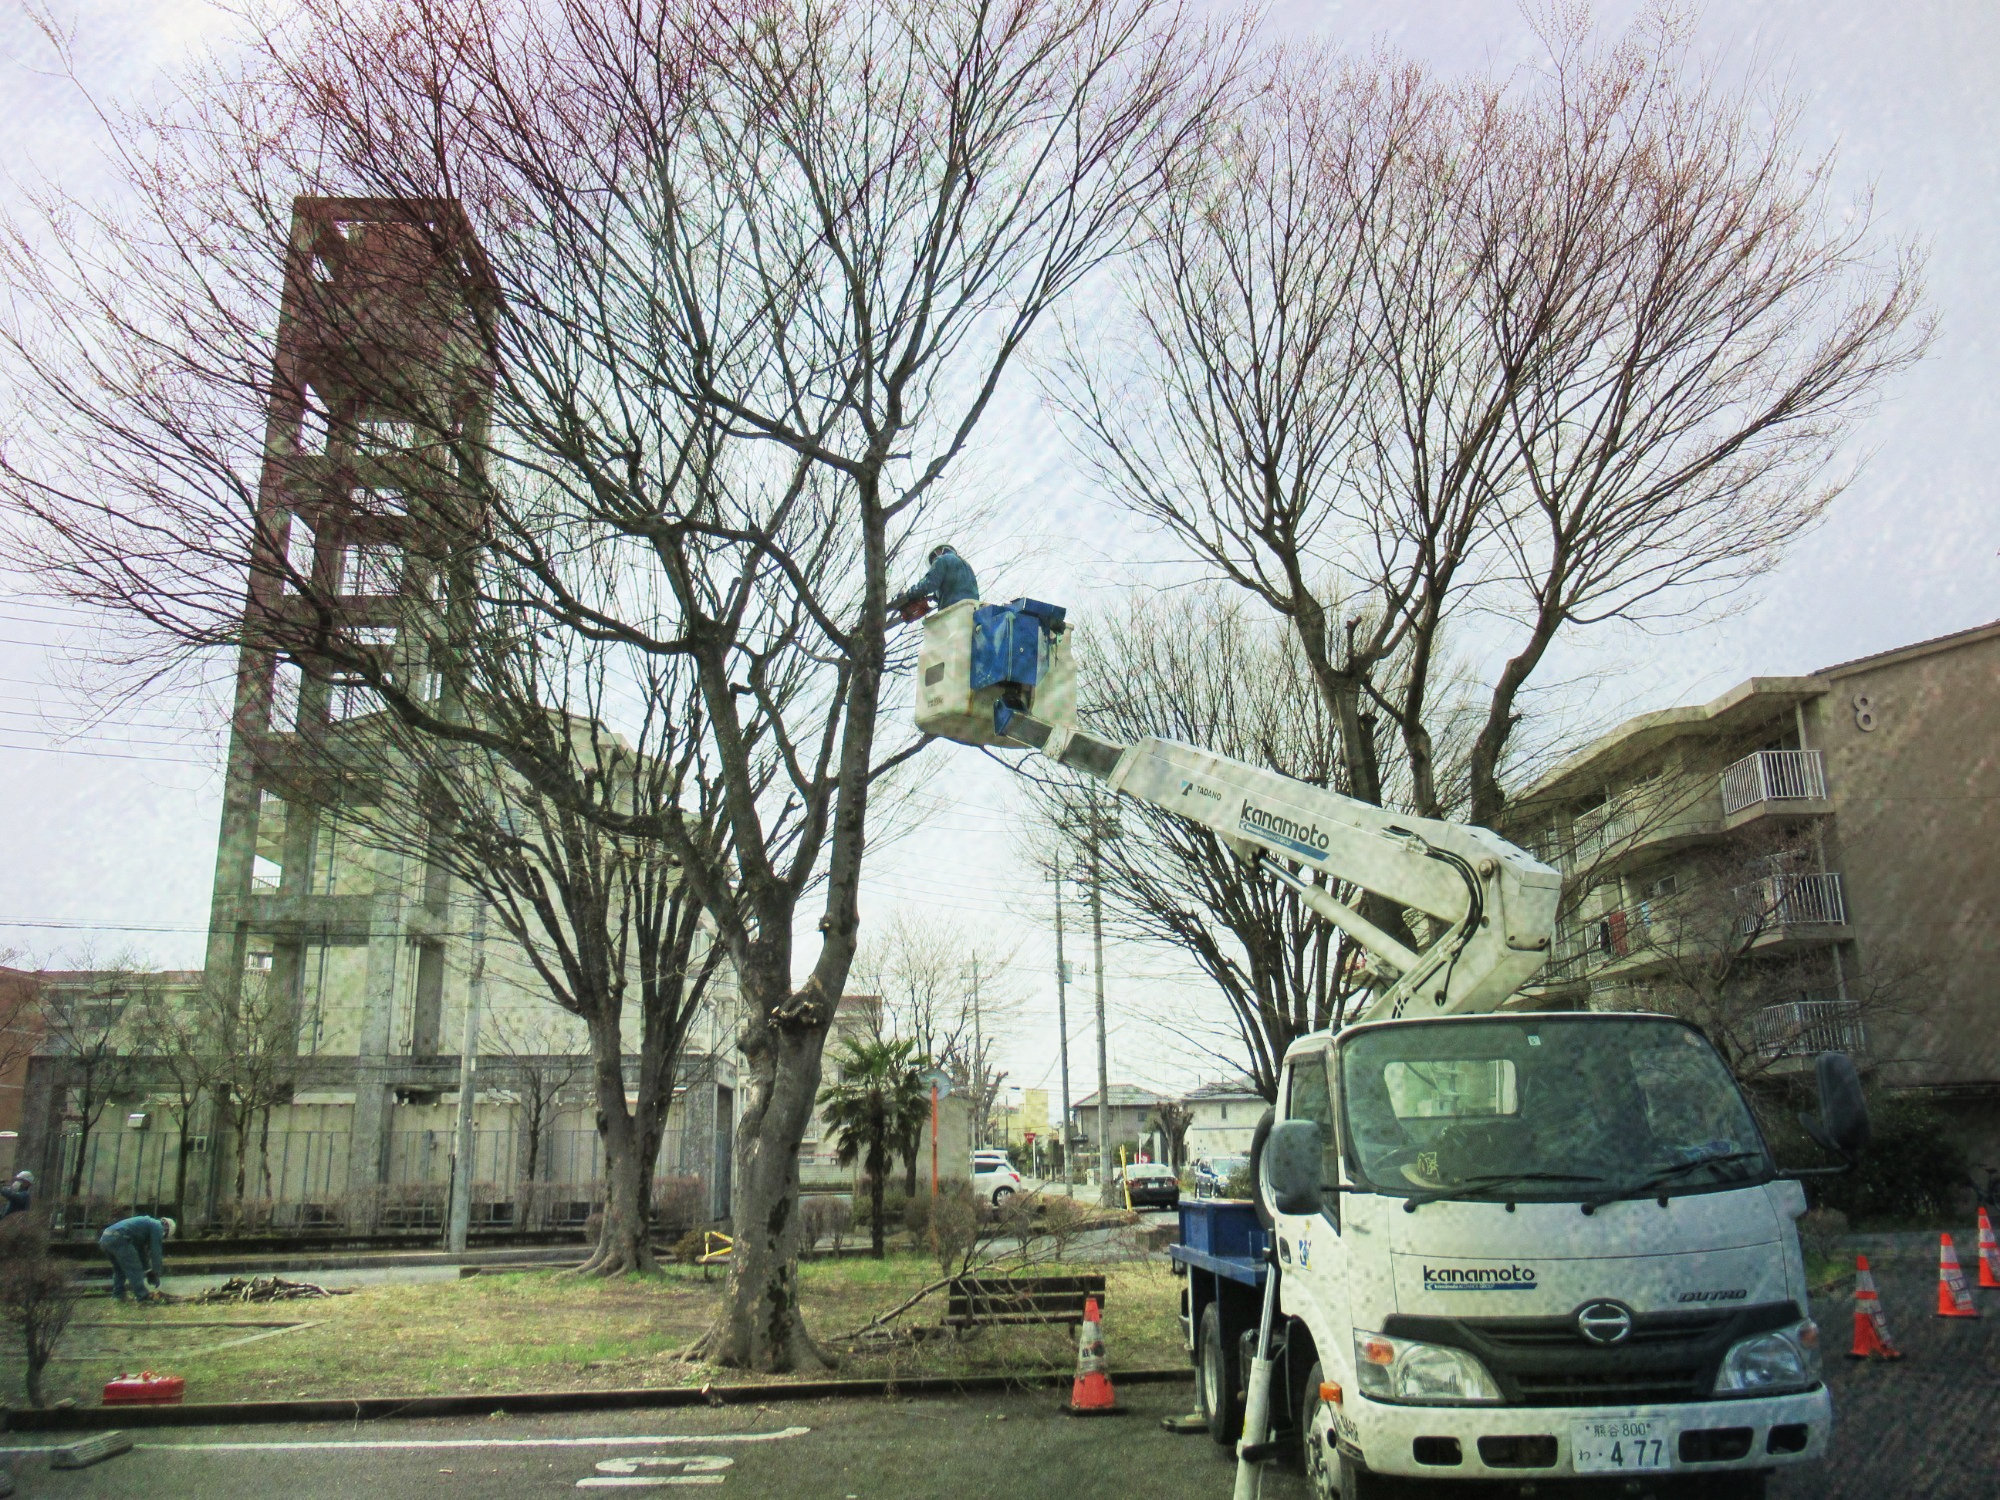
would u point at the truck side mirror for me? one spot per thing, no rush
(1842, 1126)
(1292, 1166)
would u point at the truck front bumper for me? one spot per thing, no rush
(1538, 1442)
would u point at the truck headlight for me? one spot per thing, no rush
(1414, 1374)
(1786, 1359)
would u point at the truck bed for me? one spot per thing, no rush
(1221, 1236)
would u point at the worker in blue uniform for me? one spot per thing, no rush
(136, 1247)
(17, 1198)
(948, 581)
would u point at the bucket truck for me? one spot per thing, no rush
(1487, 1243)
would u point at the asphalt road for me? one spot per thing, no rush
(1925, 1428)
(1014, 1447)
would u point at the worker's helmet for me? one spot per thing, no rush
(940, 549)
(24, 1175)
(168, 1226)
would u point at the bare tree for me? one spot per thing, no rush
(544, 1073)
(38, 1295)
(242, 1045)
(746, 285)
(1575, 347)
(87, 1023)
(952, 996)
(169, 1033)
(1172, 1119)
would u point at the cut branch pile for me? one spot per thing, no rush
(267, 1289)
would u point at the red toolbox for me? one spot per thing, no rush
(144, 1389)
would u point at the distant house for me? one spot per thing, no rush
(1224, 1118)
(1131, 1112)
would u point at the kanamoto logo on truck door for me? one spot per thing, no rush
(1304, 837)
(1479, 1278)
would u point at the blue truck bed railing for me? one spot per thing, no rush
(1222, 1236)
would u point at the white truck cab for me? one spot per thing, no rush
(1542, 1246)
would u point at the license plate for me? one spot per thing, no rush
(1621, 1446)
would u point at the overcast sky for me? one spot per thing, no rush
(108, 839)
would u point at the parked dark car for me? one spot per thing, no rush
(1150, 1185)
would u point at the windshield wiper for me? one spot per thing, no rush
(1478, 1184)
(1667, 1177)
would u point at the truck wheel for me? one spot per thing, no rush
(1262, 1134)
(1215, 1383)
(1322, 1462)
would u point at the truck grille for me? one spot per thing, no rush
(1669, 1357)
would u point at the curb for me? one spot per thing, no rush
(537, 1403)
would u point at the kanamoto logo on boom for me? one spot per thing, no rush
(1304, 837)
(1479, 1278)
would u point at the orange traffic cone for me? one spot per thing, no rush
(1871, 1329)
(1091, 1395)
(1954, 1301)
(1989, 1253)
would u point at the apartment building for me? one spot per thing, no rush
(1843, 828)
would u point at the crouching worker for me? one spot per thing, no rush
(20, 1197)
(135, 1246)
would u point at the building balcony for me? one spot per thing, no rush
(1774, 781)
(1805, 1028)
(1780, 903)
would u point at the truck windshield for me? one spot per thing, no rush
(1551, 1107)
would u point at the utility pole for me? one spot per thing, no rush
(468, 1064)
(1103, 1054)
(981, 1111)
(1062, 1030)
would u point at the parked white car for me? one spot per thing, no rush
(994, 1177)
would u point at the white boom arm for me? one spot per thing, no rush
(1491, 908)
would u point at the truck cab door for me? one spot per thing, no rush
(1309, 1245)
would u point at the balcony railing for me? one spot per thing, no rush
(1773, 776)
(1806, 1028)
(1793, 901)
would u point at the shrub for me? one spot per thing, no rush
(38, 1294)
(679, 1204)
(688, 1248)
(952, 1229)
(824, 1216)
(916, 1214)
(1913, 1169)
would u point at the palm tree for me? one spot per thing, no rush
(878, 1104)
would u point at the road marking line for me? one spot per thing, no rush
(644, 1481)
(420, 1443)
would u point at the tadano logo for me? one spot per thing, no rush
(1479, 1278)
(1304, 837)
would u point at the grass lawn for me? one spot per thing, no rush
(539, 1331)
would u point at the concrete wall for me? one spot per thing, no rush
(1916, 838)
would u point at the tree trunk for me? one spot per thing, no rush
(759, 1326)
(36, 1396)
(878, 1169)
(621, 1242)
